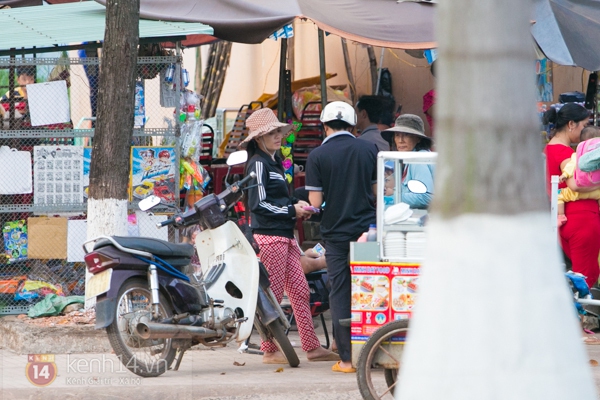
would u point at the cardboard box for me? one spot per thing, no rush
(47, 238)
(381, 292)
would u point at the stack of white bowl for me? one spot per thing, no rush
(415, 244)
(394, 244)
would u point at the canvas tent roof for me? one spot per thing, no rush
(385, 23)
(47, 26)
(567, 31)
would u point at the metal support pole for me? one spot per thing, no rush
(595, 103)
(12, 121)
(282, 67)
(322, 68)
(178, 85)
(177, 133)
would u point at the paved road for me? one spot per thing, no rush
(204, 374)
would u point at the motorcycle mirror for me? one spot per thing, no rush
(149, 202)
(416, 186)
(239, 157)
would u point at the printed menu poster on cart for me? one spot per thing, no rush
(381, 292)
(58, 174)
(153, 173)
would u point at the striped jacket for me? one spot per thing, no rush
(271, 207)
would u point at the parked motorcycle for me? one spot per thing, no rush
(153, 309)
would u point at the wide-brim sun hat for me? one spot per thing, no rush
(262, 122)
(406, 123)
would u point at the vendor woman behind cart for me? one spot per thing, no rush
(408, 134)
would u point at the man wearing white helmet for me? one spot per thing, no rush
(342, 174)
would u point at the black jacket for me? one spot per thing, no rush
(271, 207)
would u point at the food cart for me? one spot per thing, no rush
(385, 278)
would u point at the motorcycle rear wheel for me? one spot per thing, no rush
(277, 332)
(146, 358)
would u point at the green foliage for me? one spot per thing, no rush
(3, 80)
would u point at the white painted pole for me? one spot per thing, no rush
(554, 203)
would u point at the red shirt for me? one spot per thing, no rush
(555, 155)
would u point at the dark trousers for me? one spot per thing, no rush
(338, 271)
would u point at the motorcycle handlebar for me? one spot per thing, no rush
(250, 176)
(182, 219)
(165, 222)
(191, 216)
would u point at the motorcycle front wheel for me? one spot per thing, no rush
(277, 333)
(143, 357)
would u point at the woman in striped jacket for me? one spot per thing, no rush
(273, 214)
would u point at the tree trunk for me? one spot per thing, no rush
(494, 318)
(373, 68)
(109, 169)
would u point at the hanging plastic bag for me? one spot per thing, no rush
(190, 145)
(19, 180)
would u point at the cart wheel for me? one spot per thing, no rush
(379, 356)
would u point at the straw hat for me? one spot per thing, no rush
(261, 122)
(407, 123)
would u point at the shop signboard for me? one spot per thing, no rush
(381, 292)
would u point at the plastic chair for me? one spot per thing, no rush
(206, 146)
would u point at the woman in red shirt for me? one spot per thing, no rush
(580, 235)
(429, 102)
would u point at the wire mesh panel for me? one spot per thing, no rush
(48, 110)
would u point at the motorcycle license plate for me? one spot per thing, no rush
(98, 284)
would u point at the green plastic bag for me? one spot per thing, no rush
(52, 305)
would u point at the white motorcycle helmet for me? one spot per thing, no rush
(338, 110)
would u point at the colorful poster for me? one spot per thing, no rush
(139, 110)
(381, 292)
(87, 159)
(153, 173)
(15, 240)
(58, 174)
(543, 73)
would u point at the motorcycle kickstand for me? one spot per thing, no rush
(180, 353)
(250, 348)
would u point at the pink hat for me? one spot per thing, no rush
(263, 121)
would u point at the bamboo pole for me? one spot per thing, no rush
(322, 68)
(373, 67)
(349, 71)
(282, 68)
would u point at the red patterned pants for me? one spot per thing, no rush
(281, 256)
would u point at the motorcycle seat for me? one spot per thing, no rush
(155, 246)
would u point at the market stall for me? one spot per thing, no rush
(45, 136)
(385, 277)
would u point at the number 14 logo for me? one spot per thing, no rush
(41, 369)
